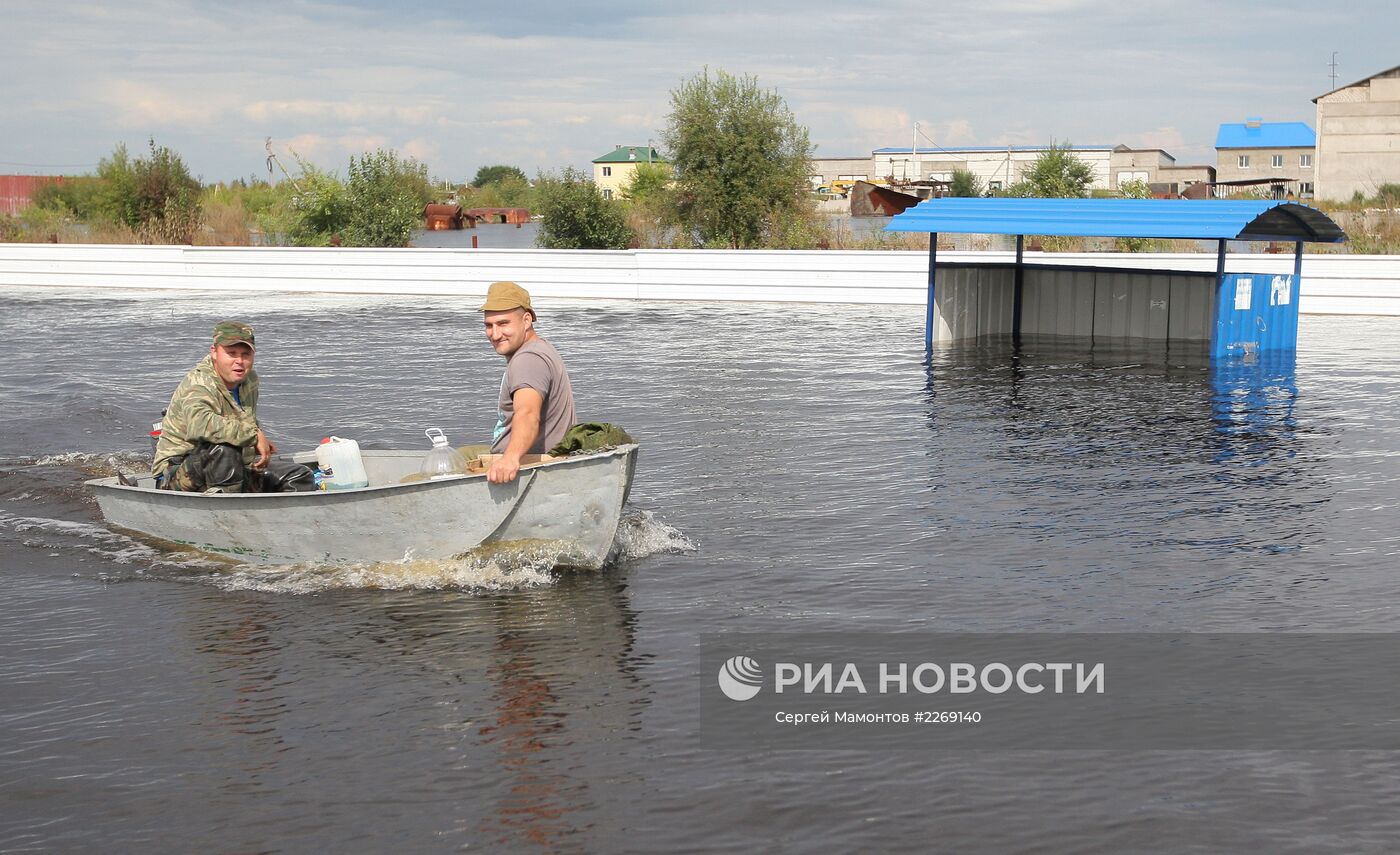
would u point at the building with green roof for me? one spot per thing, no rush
(613, 171)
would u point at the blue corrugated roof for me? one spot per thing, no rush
(1205, 219)
(1266, 135)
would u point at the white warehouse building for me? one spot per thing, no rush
(996, 167)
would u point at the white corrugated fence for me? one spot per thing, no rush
(1332, 284)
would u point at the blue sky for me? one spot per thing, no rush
(548, 84)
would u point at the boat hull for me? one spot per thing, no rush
(567, 511)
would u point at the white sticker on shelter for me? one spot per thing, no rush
(1243, 289)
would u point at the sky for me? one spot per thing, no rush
(543, 84)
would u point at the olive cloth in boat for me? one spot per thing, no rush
(590, 436)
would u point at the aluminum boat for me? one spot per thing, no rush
(568, 508)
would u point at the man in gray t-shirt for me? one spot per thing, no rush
(536, 402)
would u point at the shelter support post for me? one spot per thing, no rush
(1219, 263)
(1020, 286)
(932, 273)
(1297, 266)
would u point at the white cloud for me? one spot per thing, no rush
(569, 79)
(421, 149)
(133, 104)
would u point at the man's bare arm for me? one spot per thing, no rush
(524, 430)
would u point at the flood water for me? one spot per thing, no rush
(488, 236)
(802, 470)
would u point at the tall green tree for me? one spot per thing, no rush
(1055, 174)
(740, 159)
(574, 215)
(496, 174)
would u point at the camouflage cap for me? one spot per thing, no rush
(233, 332)
(504, 296)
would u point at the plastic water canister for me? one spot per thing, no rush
(340, 459)
(443, 461)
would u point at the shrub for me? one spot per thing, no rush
(965, 184)
(574, 215)
(385, 198)
(1056, 174)
(309, 209)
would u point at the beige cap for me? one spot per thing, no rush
(504, 296)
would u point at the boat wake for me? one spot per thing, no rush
(62, 536)
(96, 465)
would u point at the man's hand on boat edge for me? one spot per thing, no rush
(265, 451)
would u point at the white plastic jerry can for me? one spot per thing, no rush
(340, 459)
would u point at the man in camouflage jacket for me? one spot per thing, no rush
(210, 436)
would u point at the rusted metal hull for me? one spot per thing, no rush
(439, 217)
(512, 216)
(871, 200)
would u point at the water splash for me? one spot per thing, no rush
(500, 571)
(640, 534)
(511, 566)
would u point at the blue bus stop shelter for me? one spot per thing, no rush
(1231, 314)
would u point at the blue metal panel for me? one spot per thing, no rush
(1149, 218)
(1253, 404)
(1266, 135)
(1255, 313)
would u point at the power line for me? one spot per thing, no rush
(937, 146)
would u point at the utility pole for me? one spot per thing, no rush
(913, 154)
(1333, 64)
(271, 159)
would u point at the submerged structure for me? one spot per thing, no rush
(1223, 314)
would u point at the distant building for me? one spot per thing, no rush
(1177, 179)
(613, 171)
(1137, 164)
(1358, 129)
(1275, 157)
(822, 171)
(998, 167)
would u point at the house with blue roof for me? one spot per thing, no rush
(1273, 157)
